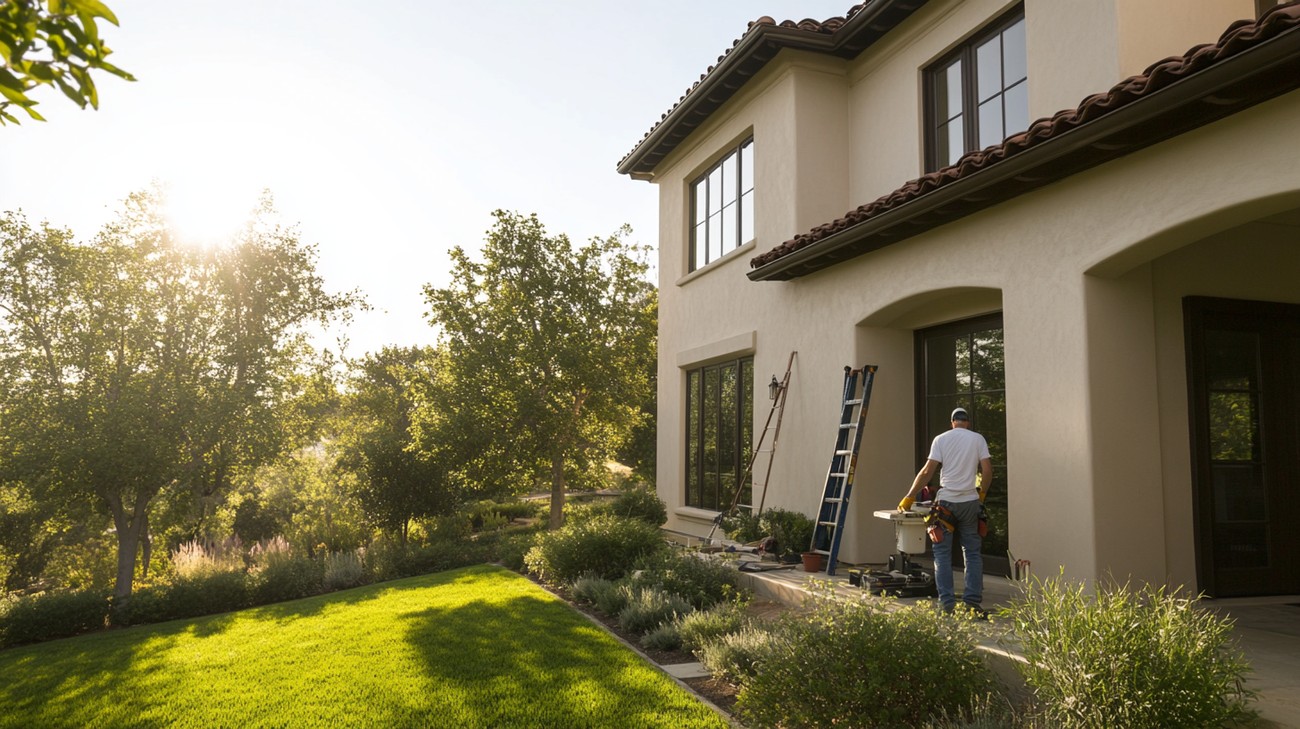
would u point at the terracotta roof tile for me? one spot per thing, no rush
(818, 35)
(1239, 37)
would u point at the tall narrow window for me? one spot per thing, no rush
(722, 207)
(961, 365)
(977, 95)
(719, 431)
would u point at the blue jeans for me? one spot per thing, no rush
(966, 516)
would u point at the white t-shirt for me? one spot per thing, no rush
(959, 451)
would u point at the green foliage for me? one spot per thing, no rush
(585, 589)
(650, 608)
(792, 530)
(856, 662)
(581, 511)
(549, 351)
(606, 546)
(393, 480)
(136, 371)
(344, 570)
(283, 575)
(737, 656)
(1128, 657)
(701, 582)
(702, 627)
(52, 43)
(51, 615)
(612, 597)
(743, 526)
(478, 647)
(663, 638)
(190, 596)
(640, 503)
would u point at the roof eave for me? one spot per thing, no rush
(759, 45)
(1039, 165)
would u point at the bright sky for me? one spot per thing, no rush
(387, 132)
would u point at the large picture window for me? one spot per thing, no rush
(722, 207)
(977, 95)
(719, 432)
(961, 365)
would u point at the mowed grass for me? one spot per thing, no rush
(474, 647)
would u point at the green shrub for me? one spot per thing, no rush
(585, 589)
(606, 546)
(701, 581)
(611, 597)
(663, 638)
(640, 503)
(742, 526)
(344, 570)
(855, 662)
(1125, 657)
(511, 547)
(792, 530)
(650, 608)
(285, 576)
(203, 593)
(737, 656)
(702, 627)
(583, 511)
(51, 615)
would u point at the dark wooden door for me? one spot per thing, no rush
(1244, 383)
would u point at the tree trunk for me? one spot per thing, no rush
(146, 549)
(129, 527)
(557, 492)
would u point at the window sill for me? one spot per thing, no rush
(715, 265)
(694, 514)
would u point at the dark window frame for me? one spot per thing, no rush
(965, 53)
(697, 492)
(701, 254)
(993, 563)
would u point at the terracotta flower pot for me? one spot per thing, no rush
(812, 562)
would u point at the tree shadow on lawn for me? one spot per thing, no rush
(531, 660)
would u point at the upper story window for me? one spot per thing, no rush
(977, 95)
(722, 207)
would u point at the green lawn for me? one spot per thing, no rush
(473, 647)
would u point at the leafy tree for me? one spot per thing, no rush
(546, 345)
(135, 366)
(393, 480)
(52, 43)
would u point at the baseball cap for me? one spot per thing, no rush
(959, 414)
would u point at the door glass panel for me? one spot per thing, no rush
(1231, 360)
(746, 426)
(712, 397)
(1234, 426)
(947, 365)
(1239, 494)
(987, 369)
(727, 424)
(693, 438)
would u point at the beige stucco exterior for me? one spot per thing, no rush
(1089, 274)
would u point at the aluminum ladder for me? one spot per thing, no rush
(834, 505)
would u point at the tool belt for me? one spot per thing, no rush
(939, 519)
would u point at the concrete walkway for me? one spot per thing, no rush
(1267, 630)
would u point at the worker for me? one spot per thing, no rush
(963, 454)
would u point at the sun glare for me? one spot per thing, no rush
(209, 211)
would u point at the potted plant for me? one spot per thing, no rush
(792, 530)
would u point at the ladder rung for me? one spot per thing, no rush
(832, 500)
(822, 551)
(843, 453)
(828, 523)
(839, 475)
(852, 402)
(848, 426)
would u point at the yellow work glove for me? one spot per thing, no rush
(906, 503)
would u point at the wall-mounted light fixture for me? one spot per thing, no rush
(773, 388)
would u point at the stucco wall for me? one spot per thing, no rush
(1088, 272)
